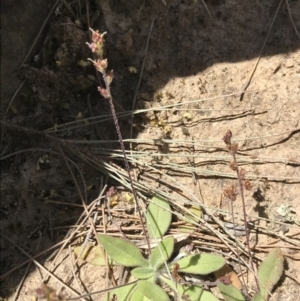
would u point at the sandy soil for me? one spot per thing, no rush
(194, 68)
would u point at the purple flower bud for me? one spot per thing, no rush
(103, 92)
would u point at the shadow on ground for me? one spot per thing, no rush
(60, 88)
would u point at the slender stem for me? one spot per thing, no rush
(244, 214)
(116, 122)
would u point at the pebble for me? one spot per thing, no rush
(289, 63)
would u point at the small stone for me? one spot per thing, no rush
(284, 229)
(289, 63)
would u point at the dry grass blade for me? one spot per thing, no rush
(73, 292)
(291, 18)
(182, 100)
(140, 78)
(246, 85)
(16, 295)
(39, 33)
(85, 122)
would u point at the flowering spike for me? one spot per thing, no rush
(109, 76)
(93, 47)
(233, 166)
(100, 65)
(104, 92)
(247, 184)
(97, 37)
(234, 147)
(97, 43)
(230, 192)
(242, 173)
(227, 137)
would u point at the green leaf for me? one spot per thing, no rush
(122, 251)
(162, 252)
(196, 293)
(94, 255)
(122, 293)
(257, 297)
(202, 264)
(158, 217)
(192, 292)
(138, 296)
(230, 293)
(270, 271)
(152, 291)
(143, 273)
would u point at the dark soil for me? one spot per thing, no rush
(189, 57)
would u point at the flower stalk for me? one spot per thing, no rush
(101, 65)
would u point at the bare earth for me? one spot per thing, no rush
(194, 69)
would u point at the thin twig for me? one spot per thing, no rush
(39, 33)
(104, 118)
(92, 114)
(88, 236)
(72, 234)
(63, 242)
(8, 106)
(246, 85)
(100, 291)
(47, 151)
(40, 266)
(140, 78)
(72, 264)
(17, 267)
(16, 295)
(208, 12)
(291, 18)
(14, 96)
(81, 196)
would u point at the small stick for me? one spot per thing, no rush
(140, 79)
(246, 85)
(73, 234)
(290, 15)
(38, 35)
(41, 266)
(73, 271)
(14, 96)
(92, 115)
(208, 12)
(15, 298)
(63, 242)
(88, 236)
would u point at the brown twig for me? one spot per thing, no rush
(39, 33)
(140, 78)
(40, 266)
(208, 12)
(246, 85)
(291, 18)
